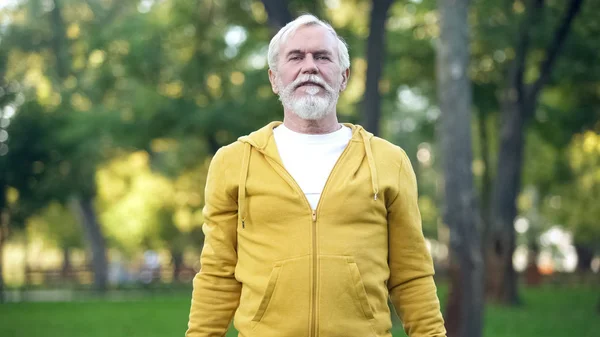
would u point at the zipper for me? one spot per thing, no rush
(313, 326)
(313, 323)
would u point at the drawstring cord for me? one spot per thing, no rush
(242, 187)
(371, 161)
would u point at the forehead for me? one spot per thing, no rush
(310, 38)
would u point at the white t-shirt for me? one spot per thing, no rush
(310, 158)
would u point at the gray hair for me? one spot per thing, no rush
(292, 27)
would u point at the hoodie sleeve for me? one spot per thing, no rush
(216, 292)
(411, 285)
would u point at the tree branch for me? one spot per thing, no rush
(278, 12)
(60, 42)
(518, 70)
(553, 50)
(112, 13)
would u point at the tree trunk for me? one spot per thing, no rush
(3, 220)
(278, 13)
(177, 263)
(66, 265)
(3, 236)
(501, 275)
(585, 255)
(26, 268)
(375, 52)
(453, 305)
(533, 276)
(1, 269)
(213, 145)
(464, 312)
(486, 180)
(87, 217)
(59, 41)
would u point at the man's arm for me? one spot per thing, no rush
(411, 285)
(216, 291)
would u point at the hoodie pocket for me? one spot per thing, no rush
(359, 287)
(282, 309)
(343, 305)
(268, 293)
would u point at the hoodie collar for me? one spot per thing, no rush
(261, 140)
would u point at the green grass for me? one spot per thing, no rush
(547, 312)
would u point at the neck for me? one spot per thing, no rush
(319, 126)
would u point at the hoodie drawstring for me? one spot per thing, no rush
(242, 203)
(367, 144)
(242, 186)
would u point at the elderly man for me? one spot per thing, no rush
(311, 225)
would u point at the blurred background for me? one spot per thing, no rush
(110, 111)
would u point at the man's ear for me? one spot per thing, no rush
(345, 77)
(272, 79)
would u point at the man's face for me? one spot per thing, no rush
(309, 77)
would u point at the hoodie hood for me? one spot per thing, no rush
(262, 140)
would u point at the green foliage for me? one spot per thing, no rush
(574, 202)
(33, 165)
(58, 225)
(177, 79)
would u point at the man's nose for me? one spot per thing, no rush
(309, 66)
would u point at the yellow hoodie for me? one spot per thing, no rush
(286, 270)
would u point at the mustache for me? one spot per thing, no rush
(310, 79)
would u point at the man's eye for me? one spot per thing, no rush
(321, 57)
(295, 58)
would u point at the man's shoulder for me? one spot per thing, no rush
(388, 151)
(232, 148)
(258, 139)
(230, 151)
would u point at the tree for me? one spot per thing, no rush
(47, 138)
(278, 12)
(3, 181)
(6, 97)
(519, 103)
(82, 200)
(56, 225)
(371, 113)
(573, 202)
(29, 167)
(464, 313)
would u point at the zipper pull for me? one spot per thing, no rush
(314, 215)
(243, 223)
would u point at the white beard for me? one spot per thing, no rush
(309, 106)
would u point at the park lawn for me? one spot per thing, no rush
(548, 312)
